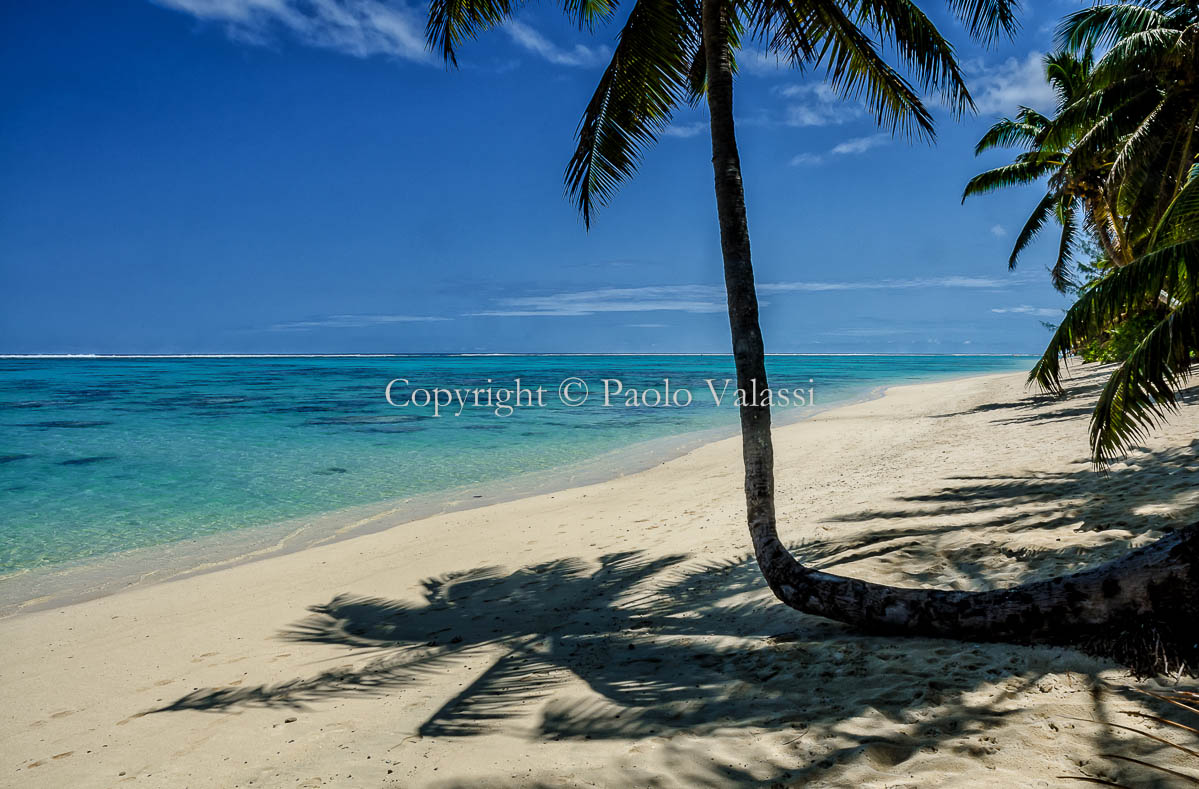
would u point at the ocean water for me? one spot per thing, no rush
(104, 455)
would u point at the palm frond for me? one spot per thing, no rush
(452, 22)
(1008, 133)
(1102, 25)
(921, 48)
(1146, 50)
(1019, 173)
(1135, 149)
(825, 37)
(987, 19)
(647, 76)
(589, 13)
(1181, 218)
(1036, 220)
(1060, 273)
(1068, 74)
(1171, 269)
(1095, 121)
(1149, 185)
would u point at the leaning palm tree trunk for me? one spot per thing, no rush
(1141, 609)
(748, 350)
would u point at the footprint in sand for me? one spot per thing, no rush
(886, 754)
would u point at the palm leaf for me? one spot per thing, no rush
(1020, 173)
(1105, 24)
(1060, 273)
(648, 74)
(1181, 218)
(451, 22)
(1171, 269)
(825, 37)
(921, 48)
(1007, 133)
(1045, 209)
(987, 19)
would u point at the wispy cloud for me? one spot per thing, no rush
(870, 332)
(801, 159)
(819, 90)
(686, 129)
(803, 115)
(360, 28)
(1000, 89)
(999, 231)
(352, 322)
(529, 39)
(860, 144)
(672, 298)
(983, 283)
(815, 104)
(698, 298)
(803, 105)
(849, 147)
(757, 61)
(1024, 309)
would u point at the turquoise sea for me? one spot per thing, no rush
(102, 455)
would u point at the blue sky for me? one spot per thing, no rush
(277, 176)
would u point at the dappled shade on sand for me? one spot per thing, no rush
(685, 647)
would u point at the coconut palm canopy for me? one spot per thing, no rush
(1074, 187)
(1120, 152)
(658, 64)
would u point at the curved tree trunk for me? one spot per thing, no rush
(1142, 609)
(1101, 219)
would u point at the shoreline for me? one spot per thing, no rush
(620, 634)
(40, 588)
(452, 355)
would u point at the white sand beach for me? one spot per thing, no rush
(619, 635)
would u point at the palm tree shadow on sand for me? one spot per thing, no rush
(635, 646)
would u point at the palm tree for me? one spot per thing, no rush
(1144, 95)
(1146, 91)
(1125, 134)
(1142, 390)
(1076, 183)
(675, 50)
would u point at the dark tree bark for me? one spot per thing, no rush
(1142, 609)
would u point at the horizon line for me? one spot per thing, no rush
(17, 356)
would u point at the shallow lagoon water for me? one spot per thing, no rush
(103, 455)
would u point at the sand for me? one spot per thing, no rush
(619, 635)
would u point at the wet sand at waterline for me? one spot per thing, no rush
(619, 634)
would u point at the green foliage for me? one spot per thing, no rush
(1119, 341)
(659, 62)
(1046, 143)
(1160, 286)
(1118, 158)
